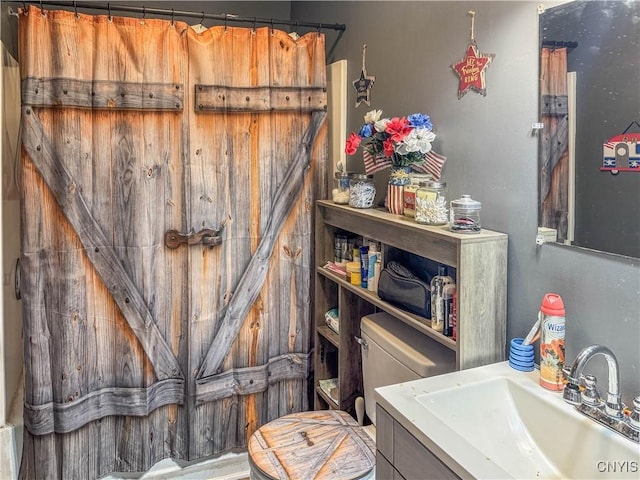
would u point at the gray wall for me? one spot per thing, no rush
(491, 151)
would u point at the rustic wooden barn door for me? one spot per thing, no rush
(167, 193)
(250, 140)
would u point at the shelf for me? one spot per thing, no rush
(419, 323)
(321, 393)
(480, 263)
(330, 335)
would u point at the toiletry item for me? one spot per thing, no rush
(340, 192)
(362, 190)
(409, 192)
(431, 203)
(373, 258)
(447, 301)
(373, 286)
(531, 336)
(364, 266)
(521, 355)
(552, 342)
(454, 316)
(437, 298)
(465, 215)
(353, 272)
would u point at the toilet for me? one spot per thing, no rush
(330, 444)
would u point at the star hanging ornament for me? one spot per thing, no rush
(363, 84)
(471, 69)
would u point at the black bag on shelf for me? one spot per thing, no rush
(398, 286)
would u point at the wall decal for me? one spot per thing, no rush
(471, 69)
(621, 153)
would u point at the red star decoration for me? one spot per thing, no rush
(471, 70)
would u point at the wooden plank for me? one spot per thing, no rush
(226, 98)
(97, 247)
(251, 380)
(66, 417)
(255, 273)
(101, 94)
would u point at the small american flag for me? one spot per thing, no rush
(373, 164)
(433, 164)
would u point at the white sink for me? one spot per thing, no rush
(496, 422)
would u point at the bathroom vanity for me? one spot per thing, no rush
(478, 262)
(493, 422)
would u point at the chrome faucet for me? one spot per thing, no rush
(610, 413)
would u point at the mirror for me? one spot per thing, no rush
(580, 204)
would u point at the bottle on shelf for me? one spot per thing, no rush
(438, 283)
(373, 258)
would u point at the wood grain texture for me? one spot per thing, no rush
(327, 444)
(260, 98)
(101, 94)
(132, 171)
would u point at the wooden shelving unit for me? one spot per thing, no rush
(480, 263)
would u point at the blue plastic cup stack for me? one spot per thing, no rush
(521, 356)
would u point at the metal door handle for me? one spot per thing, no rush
(206, 236)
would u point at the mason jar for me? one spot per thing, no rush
(409, 193)
(340, 192)
(362, 190)
(431, 203)
(465, 215)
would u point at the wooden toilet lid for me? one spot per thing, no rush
(324, 444)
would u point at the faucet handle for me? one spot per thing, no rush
(634, 418)
(591, 395)
(566, 370)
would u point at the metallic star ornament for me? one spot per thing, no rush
(471, 70)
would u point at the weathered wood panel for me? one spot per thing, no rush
(260, 99)
(89, 327)
(101, 94)
(115, 180)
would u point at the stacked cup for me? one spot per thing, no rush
(521, 356)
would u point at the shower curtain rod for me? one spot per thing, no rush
(225, 17)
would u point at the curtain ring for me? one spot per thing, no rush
(172, 13)
(42, 9)
(109, 8)
(253, 28)
(202, 19)
(319, 28)
(144, 13)
(225, 22)
(75, 8)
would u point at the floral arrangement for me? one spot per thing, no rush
(401, 141)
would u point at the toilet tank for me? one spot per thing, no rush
(393, 352)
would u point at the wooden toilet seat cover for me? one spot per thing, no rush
(325, 444)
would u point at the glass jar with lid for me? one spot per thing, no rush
(409, 193)
(340, 192)
(362, 190)
(431, 203)
(465, 215)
